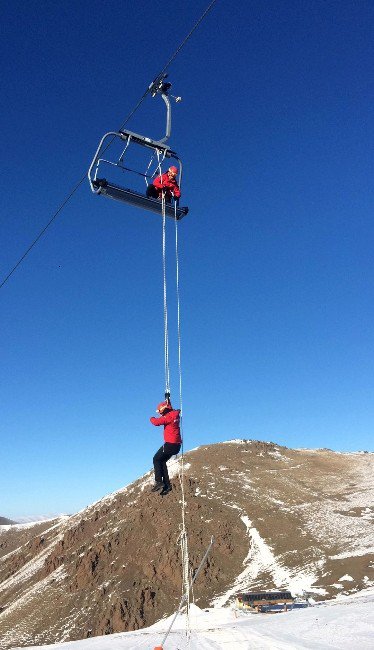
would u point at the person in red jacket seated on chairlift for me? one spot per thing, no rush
(170, 418)
(166, 183)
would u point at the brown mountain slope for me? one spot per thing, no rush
(300, 519)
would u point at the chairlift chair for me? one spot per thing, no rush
(105, 187)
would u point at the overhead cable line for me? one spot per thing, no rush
(77, 186)
(42, 231)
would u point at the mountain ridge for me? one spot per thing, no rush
(6, 522)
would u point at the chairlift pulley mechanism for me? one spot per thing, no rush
(159, 85)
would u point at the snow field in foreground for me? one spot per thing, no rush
(347, 622)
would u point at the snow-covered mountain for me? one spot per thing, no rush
(6, 522)
(298, 519)
(34, 518)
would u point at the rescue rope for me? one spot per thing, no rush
(178, 312)
(190, 586)
(183, 536)
(166, 329)
(166, 326)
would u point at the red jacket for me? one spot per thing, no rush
(171, 426)
(170, 185)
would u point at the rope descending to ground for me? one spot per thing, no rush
(183, 538)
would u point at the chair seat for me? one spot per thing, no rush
(139, 200)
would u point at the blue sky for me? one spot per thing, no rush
(275, 131)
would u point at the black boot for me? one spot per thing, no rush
(165, 490)
(158, 486)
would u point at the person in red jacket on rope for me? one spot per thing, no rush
(166, 183)
(170, 418)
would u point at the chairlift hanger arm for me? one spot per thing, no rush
(168, 117)
(161, 87)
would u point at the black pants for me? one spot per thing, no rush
(152, 193)
(160, 459)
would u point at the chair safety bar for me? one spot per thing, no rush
(132, 137)
(145, 142)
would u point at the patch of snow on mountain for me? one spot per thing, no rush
(31, 523)
(20, 603)
(175, 466)
(39, 518)
(368, 514)
(30, 568)
(342, 556)
(260, 558)
(278, 456)
(342, 522)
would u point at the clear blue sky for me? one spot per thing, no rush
(276, 135)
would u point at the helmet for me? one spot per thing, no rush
(173, 169)
(164, 406)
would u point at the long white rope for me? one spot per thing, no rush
(166, 327)
(184, 595)
(178, 311)
(184, 537)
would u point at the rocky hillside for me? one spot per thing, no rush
(301, 519)
(14, 536)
